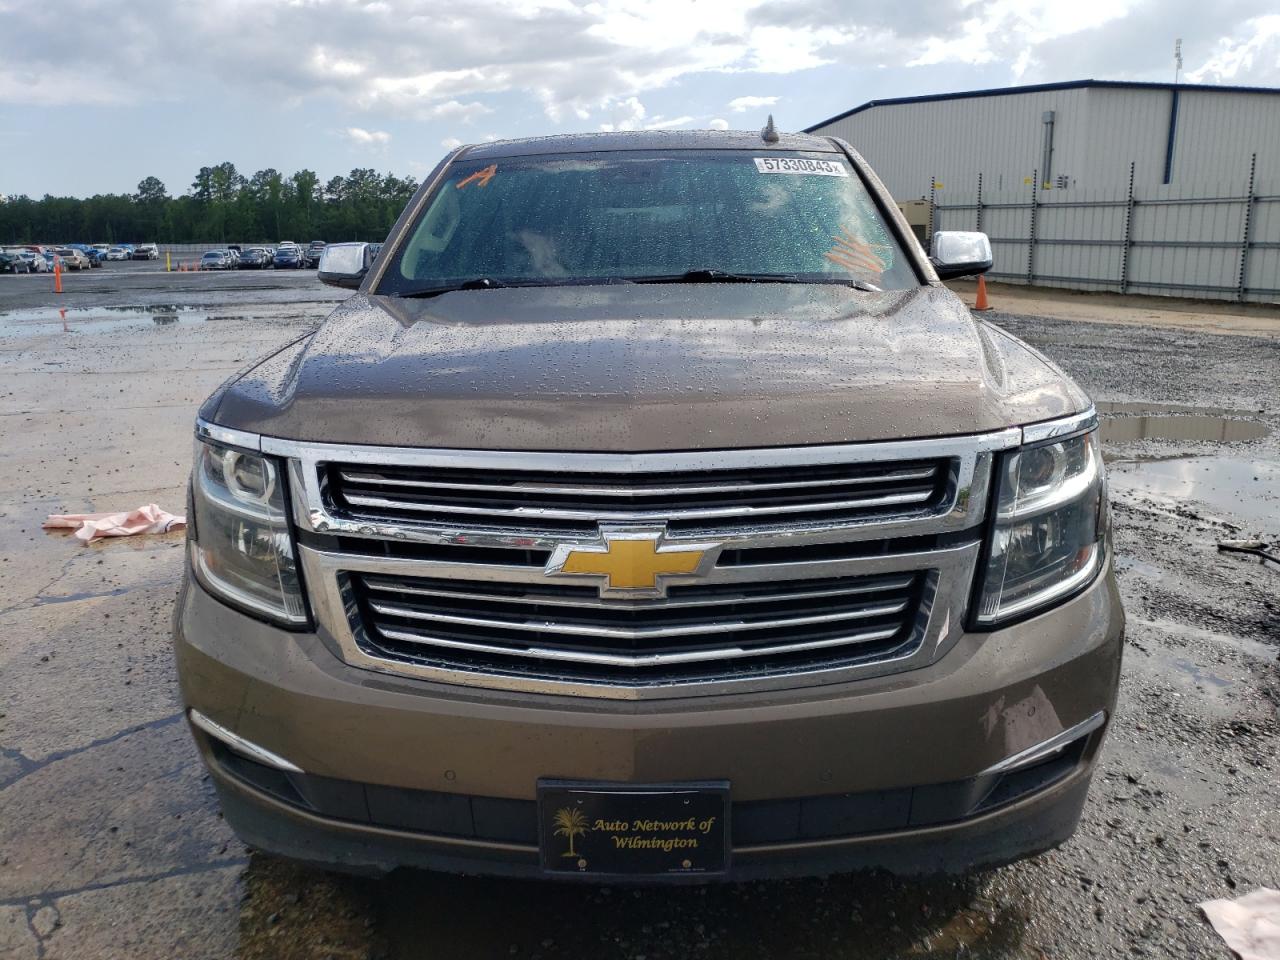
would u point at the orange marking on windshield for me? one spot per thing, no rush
(854, 254)
(480, 178)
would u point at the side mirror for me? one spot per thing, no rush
(344, 264)
(960, 253)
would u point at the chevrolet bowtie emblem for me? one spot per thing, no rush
(633, 563)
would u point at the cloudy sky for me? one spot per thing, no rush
(96, 94)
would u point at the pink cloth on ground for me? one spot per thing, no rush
(1250, 924)
(95, 526)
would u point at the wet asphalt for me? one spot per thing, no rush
(110, 840)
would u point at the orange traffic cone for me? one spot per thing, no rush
(57, 274)
(982, 302)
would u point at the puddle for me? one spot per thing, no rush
(1254, 649)
(72, 320)
(1216, 429)
(1115, 407)
(1200, 675)
(1246, 490)
(46, 320)
(1126, 421)
(1141, 568)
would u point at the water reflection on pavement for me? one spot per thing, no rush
(291, 911)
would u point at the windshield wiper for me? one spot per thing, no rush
(475, 283)
(711, 275)
(491, 283)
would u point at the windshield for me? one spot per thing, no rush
(638, 214)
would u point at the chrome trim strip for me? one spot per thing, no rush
(644, 659)
(1041, 751)
(592, 602)
(624, 463)
(637, 633)
(939, 624)
(240, 745)
(534, 514)
(1055, 429)
(233, 438)
(374, 480)
(963, 506)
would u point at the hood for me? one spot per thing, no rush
(638, 367)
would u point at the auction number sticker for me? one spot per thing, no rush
(813, 168)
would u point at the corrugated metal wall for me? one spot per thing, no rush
(1164, 240)
(955, 140)
(1098, 132)
(1184, 238)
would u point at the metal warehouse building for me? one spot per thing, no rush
(1143, 187)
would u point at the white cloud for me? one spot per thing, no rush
(587, 63)
(367, 138)
(1256, 56)
(666, 123)
(742, 104)
(625, 114)
(718, 124)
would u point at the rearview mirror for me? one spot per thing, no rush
(960, 253)
(344, 264)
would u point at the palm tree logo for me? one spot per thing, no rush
(570, 822)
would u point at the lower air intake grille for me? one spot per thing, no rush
(568, 632)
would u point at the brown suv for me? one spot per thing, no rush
(652, 512)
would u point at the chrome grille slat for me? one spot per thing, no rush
(377, 480)
(628, 516)
(717, 498)
(638, 633)
(639, 660)
(590, 600)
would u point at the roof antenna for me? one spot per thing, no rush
(770, 133)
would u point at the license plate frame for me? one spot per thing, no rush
(672, 831)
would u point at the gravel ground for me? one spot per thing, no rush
(111, 845)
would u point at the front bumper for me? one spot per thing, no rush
(884, 772)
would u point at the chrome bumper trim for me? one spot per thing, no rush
(240, 745)
(1042, 751)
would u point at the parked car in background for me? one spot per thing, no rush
(117, 253)
(218, 260)
(50, 258)
(101, 247)
(36, 262)
(11, 261)
(92, 254)
(72, 259)
(254, 258)
(289, 257)
(314, 253)
(146, 251)
(374, 250)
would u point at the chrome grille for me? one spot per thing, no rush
(831, 563)
(688, 502)
(567, 630)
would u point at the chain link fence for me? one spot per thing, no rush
(1218, 242)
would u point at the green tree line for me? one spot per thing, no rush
(222, 206)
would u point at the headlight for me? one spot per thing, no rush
(1048, 535)
(241, 547)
